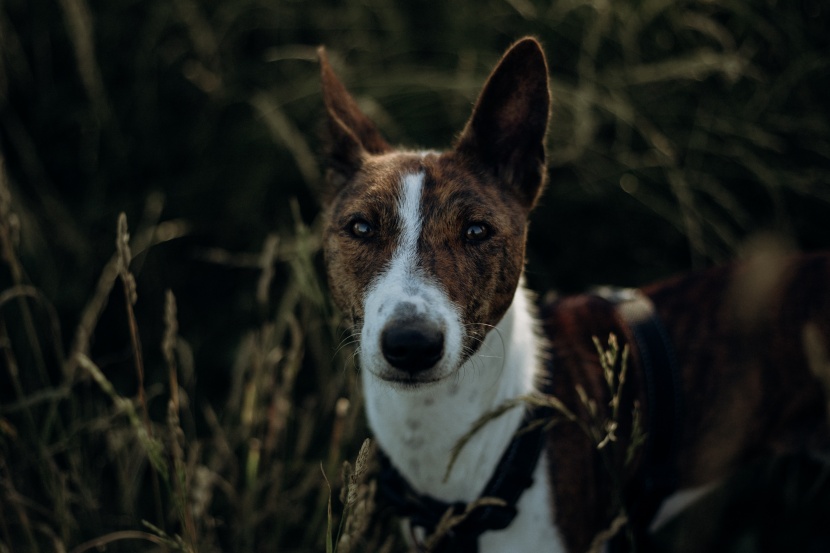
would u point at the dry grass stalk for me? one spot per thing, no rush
(168, 345)
(122, 246)
(598, 545)
(102, 541)
(449, 520)
(358, 497)
(79, 23)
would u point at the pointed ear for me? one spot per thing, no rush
(506, 131)
(351, 135)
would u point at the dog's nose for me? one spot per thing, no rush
(412, 345)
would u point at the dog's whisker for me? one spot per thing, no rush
(483, 342)
(346, 343)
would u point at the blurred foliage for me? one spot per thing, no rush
(680, 130)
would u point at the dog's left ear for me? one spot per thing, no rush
(351, 135)
(506, 131)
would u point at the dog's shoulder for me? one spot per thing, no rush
(577, 328)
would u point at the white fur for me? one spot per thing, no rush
(418, 426)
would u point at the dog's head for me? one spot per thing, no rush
(424, 250)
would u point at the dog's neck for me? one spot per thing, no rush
(419, 428)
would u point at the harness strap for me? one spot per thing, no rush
(512, 476)
(663, 383)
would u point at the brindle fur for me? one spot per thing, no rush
(747, 389)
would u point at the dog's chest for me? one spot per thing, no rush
(421, 449)
(420, 429)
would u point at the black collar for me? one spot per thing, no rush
(512, 476)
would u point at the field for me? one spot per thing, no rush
(173, 376)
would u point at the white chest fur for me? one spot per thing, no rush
(418, 429)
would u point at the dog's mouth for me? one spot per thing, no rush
(397, 378)
(405, 381)
(407, 377)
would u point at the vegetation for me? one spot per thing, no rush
(175, 378)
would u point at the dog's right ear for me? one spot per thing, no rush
(351, 135)
(506, 131)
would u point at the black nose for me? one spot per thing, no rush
(412, 345)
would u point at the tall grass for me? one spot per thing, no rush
(176, 381)
(87, 464)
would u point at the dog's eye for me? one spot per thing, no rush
(476, 232)
(361, 229)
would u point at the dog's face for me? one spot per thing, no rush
(424, 251)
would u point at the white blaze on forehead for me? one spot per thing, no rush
(411, 221)
(402, 280)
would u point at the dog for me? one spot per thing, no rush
(425, 252)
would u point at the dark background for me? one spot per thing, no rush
(681, 132)
(714, 114)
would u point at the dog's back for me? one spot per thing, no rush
(751, 343)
